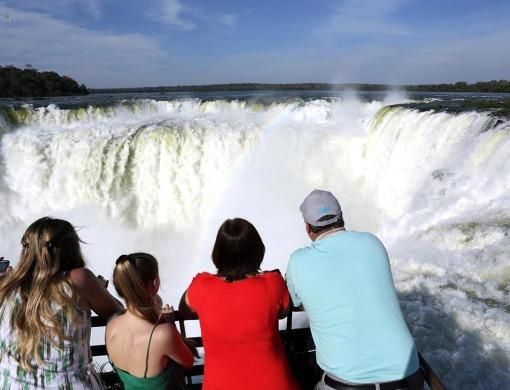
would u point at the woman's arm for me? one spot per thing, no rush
(174, 346)
(282, 294)
(284, 312)
(93, 294)
(185, 310)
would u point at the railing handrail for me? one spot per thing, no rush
(431, 378)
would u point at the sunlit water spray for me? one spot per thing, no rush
(162, 176)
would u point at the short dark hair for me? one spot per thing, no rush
(238, 250)
(321, 229)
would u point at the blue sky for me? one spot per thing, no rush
(127, 43)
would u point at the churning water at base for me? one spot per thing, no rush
(161, 176)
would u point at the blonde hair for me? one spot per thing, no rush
(50, 248)
(132, 276)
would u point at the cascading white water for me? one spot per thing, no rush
(162, 176)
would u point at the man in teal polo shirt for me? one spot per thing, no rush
(343, 280)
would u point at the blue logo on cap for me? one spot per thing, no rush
(325, 210)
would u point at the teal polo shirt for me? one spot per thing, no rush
(344, 282)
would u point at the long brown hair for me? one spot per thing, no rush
(49, 248)
(132, 276)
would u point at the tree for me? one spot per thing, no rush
(29, 82)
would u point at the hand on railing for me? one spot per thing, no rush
(192, 345)
(167, 313)
(104, 282)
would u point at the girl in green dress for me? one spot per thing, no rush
(146, 350)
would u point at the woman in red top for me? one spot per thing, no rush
(238, 309)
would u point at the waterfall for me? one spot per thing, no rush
(161, 176)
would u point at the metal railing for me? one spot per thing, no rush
(299, 347)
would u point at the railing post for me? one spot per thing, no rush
(182, 329)
(288, 332)
(429, 375)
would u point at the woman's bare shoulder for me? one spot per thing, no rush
(118, 319)
(165, 332)
(116, 323)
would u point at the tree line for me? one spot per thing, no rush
(495, 86)
(29, 82)
(243, 87)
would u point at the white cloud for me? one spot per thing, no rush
(363, 42)
(92, 6)
(364, 17)
(174, 14)
(229, 20)
(171, 12)
(58, 7)
(101, 59)
(95, 58)
(474, 59)
(425, 62)
(433, 61)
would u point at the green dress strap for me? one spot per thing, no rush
(148, 349)
(170, 378)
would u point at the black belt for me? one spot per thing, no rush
(395, 385)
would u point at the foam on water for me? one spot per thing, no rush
(161, 176)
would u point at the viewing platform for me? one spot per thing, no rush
(298, 343)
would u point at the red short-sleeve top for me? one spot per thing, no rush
(239, 324)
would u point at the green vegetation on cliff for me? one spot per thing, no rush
(29, 82)
(245, 87)
(494, 86)
(498, 86)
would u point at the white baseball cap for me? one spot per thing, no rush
(319, 204)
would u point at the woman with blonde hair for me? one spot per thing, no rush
(45, 304)
(145, 350)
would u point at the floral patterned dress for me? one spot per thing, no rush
(67, 367)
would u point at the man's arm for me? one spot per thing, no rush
(296, 301)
